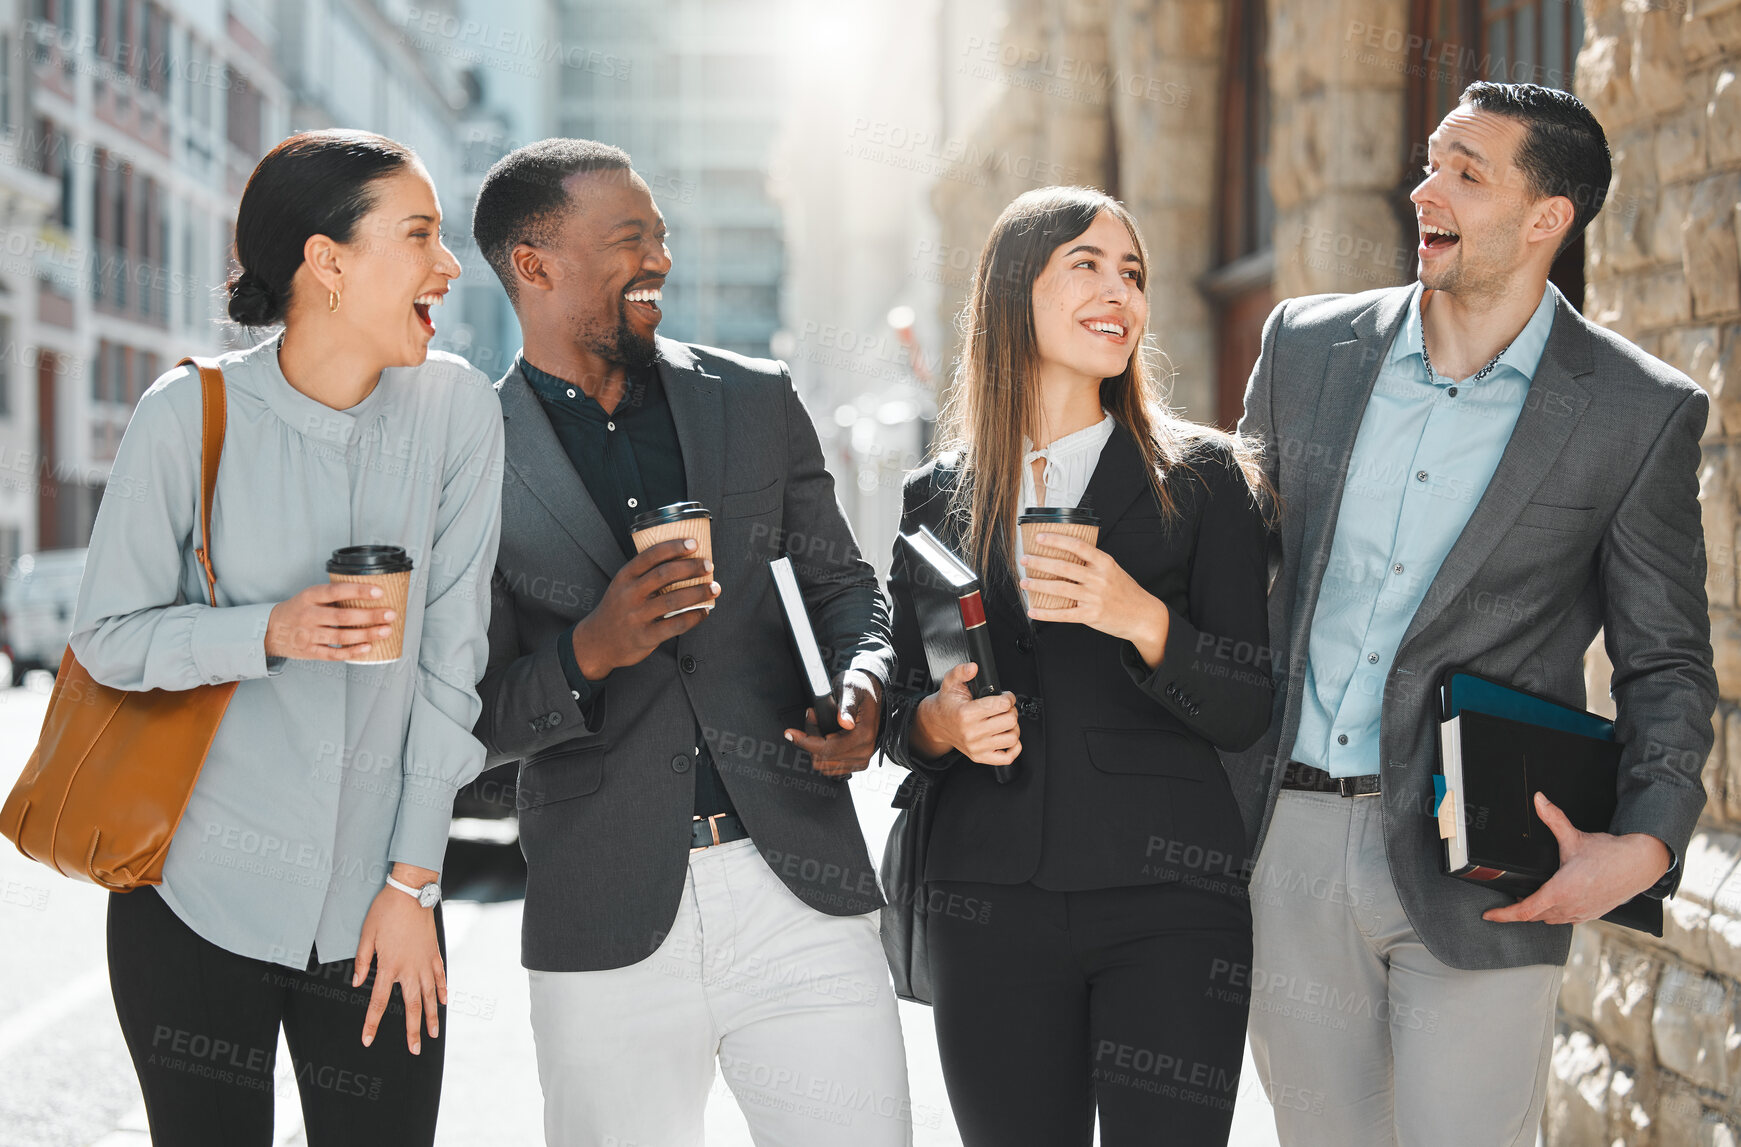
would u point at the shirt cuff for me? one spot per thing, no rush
(229, 643)
(585, 692)
(1665, 885)
(425, 816)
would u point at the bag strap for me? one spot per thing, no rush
(211, 378)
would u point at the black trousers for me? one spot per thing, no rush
(1050, 1005)
(202, 1026)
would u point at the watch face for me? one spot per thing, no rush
(429, 895)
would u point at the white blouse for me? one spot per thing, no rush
(1069, 464)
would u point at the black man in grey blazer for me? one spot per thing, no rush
(698, 889)
(1472, 475)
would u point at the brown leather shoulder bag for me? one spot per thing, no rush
(114, 768)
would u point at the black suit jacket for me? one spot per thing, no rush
(1118, 782)
(605, 807)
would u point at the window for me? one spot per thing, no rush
(1241, 285)
(243, 114)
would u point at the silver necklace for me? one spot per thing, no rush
(1427, 360)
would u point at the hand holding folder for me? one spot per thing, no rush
(1500, 748)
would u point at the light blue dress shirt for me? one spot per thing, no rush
(1421, 461)
(322, 774)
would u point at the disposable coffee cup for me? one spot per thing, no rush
(388, 567)
(678, 520)
(1072, 521)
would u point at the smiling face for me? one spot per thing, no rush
(394, 272)
(1480, 224)
(611, 262)
(1089, 306)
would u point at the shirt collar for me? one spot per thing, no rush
(308, 416)
(1078, 442)
(644, 389)
(1523, 356)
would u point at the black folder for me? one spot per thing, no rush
(950, 608)
(1498, 747)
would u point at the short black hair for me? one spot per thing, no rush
(521, 197)
(1564, 150)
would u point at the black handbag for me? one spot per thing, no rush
(904, 927)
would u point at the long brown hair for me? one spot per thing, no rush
(995, 400)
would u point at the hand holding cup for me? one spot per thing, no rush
(658, 594)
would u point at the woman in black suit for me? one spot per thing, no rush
(1100, 959)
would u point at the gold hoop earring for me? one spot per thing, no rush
(332, 301)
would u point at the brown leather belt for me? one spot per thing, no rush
(1312, 779)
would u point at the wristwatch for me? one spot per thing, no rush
(427, 897)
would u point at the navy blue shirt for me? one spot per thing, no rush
(630, 462)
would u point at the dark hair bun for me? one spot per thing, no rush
(251, 301)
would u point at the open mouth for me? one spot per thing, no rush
(1106, 328)
(646, 299)
(1438, 238)
(422, 305)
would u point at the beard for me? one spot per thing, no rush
(618, 342)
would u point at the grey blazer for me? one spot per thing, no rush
(605, 809)
(1591, 521)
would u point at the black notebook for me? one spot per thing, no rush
(950, 608)
(816, 684)
(1492, 766)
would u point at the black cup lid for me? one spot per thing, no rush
(665, 515)
(1058, 516)
(368, 560)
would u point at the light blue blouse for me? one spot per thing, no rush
(1424, 454)
(322, 774)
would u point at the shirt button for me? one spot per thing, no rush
(633, 503)
(680, 763)
(571, 392)
(1372, 657)
(1420, 475)
(575, 693)
(687, 664)
(610, 426)
(1452, 392)
(1342, 739)
(1397, 568)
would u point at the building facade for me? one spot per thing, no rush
(694, 92)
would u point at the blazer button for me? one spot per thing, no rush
(680, 763)
(1025, 644)
(687, 664)
(553, 719)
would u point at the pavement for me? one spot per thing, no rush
(66, 1081)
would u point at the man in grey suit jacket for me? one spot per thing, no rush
(697, 883)
(1470, 475)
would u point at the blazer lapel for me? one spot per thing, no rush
(697, 401)
(1552, 409)
(536, 456)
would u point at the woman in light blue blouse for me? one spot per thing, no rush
(299, 890)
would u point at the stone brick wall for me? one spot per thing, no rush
(1648, 1051)
(1338, 101)
(1118, 95)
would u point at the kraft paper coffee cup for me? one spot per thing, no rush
(388, 567)
(678, 520)
(1072, 521)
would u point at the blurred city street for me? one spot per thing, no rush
(66, 1081)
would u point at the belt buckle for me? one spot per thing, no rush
(713, 827)
(1345, 786)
